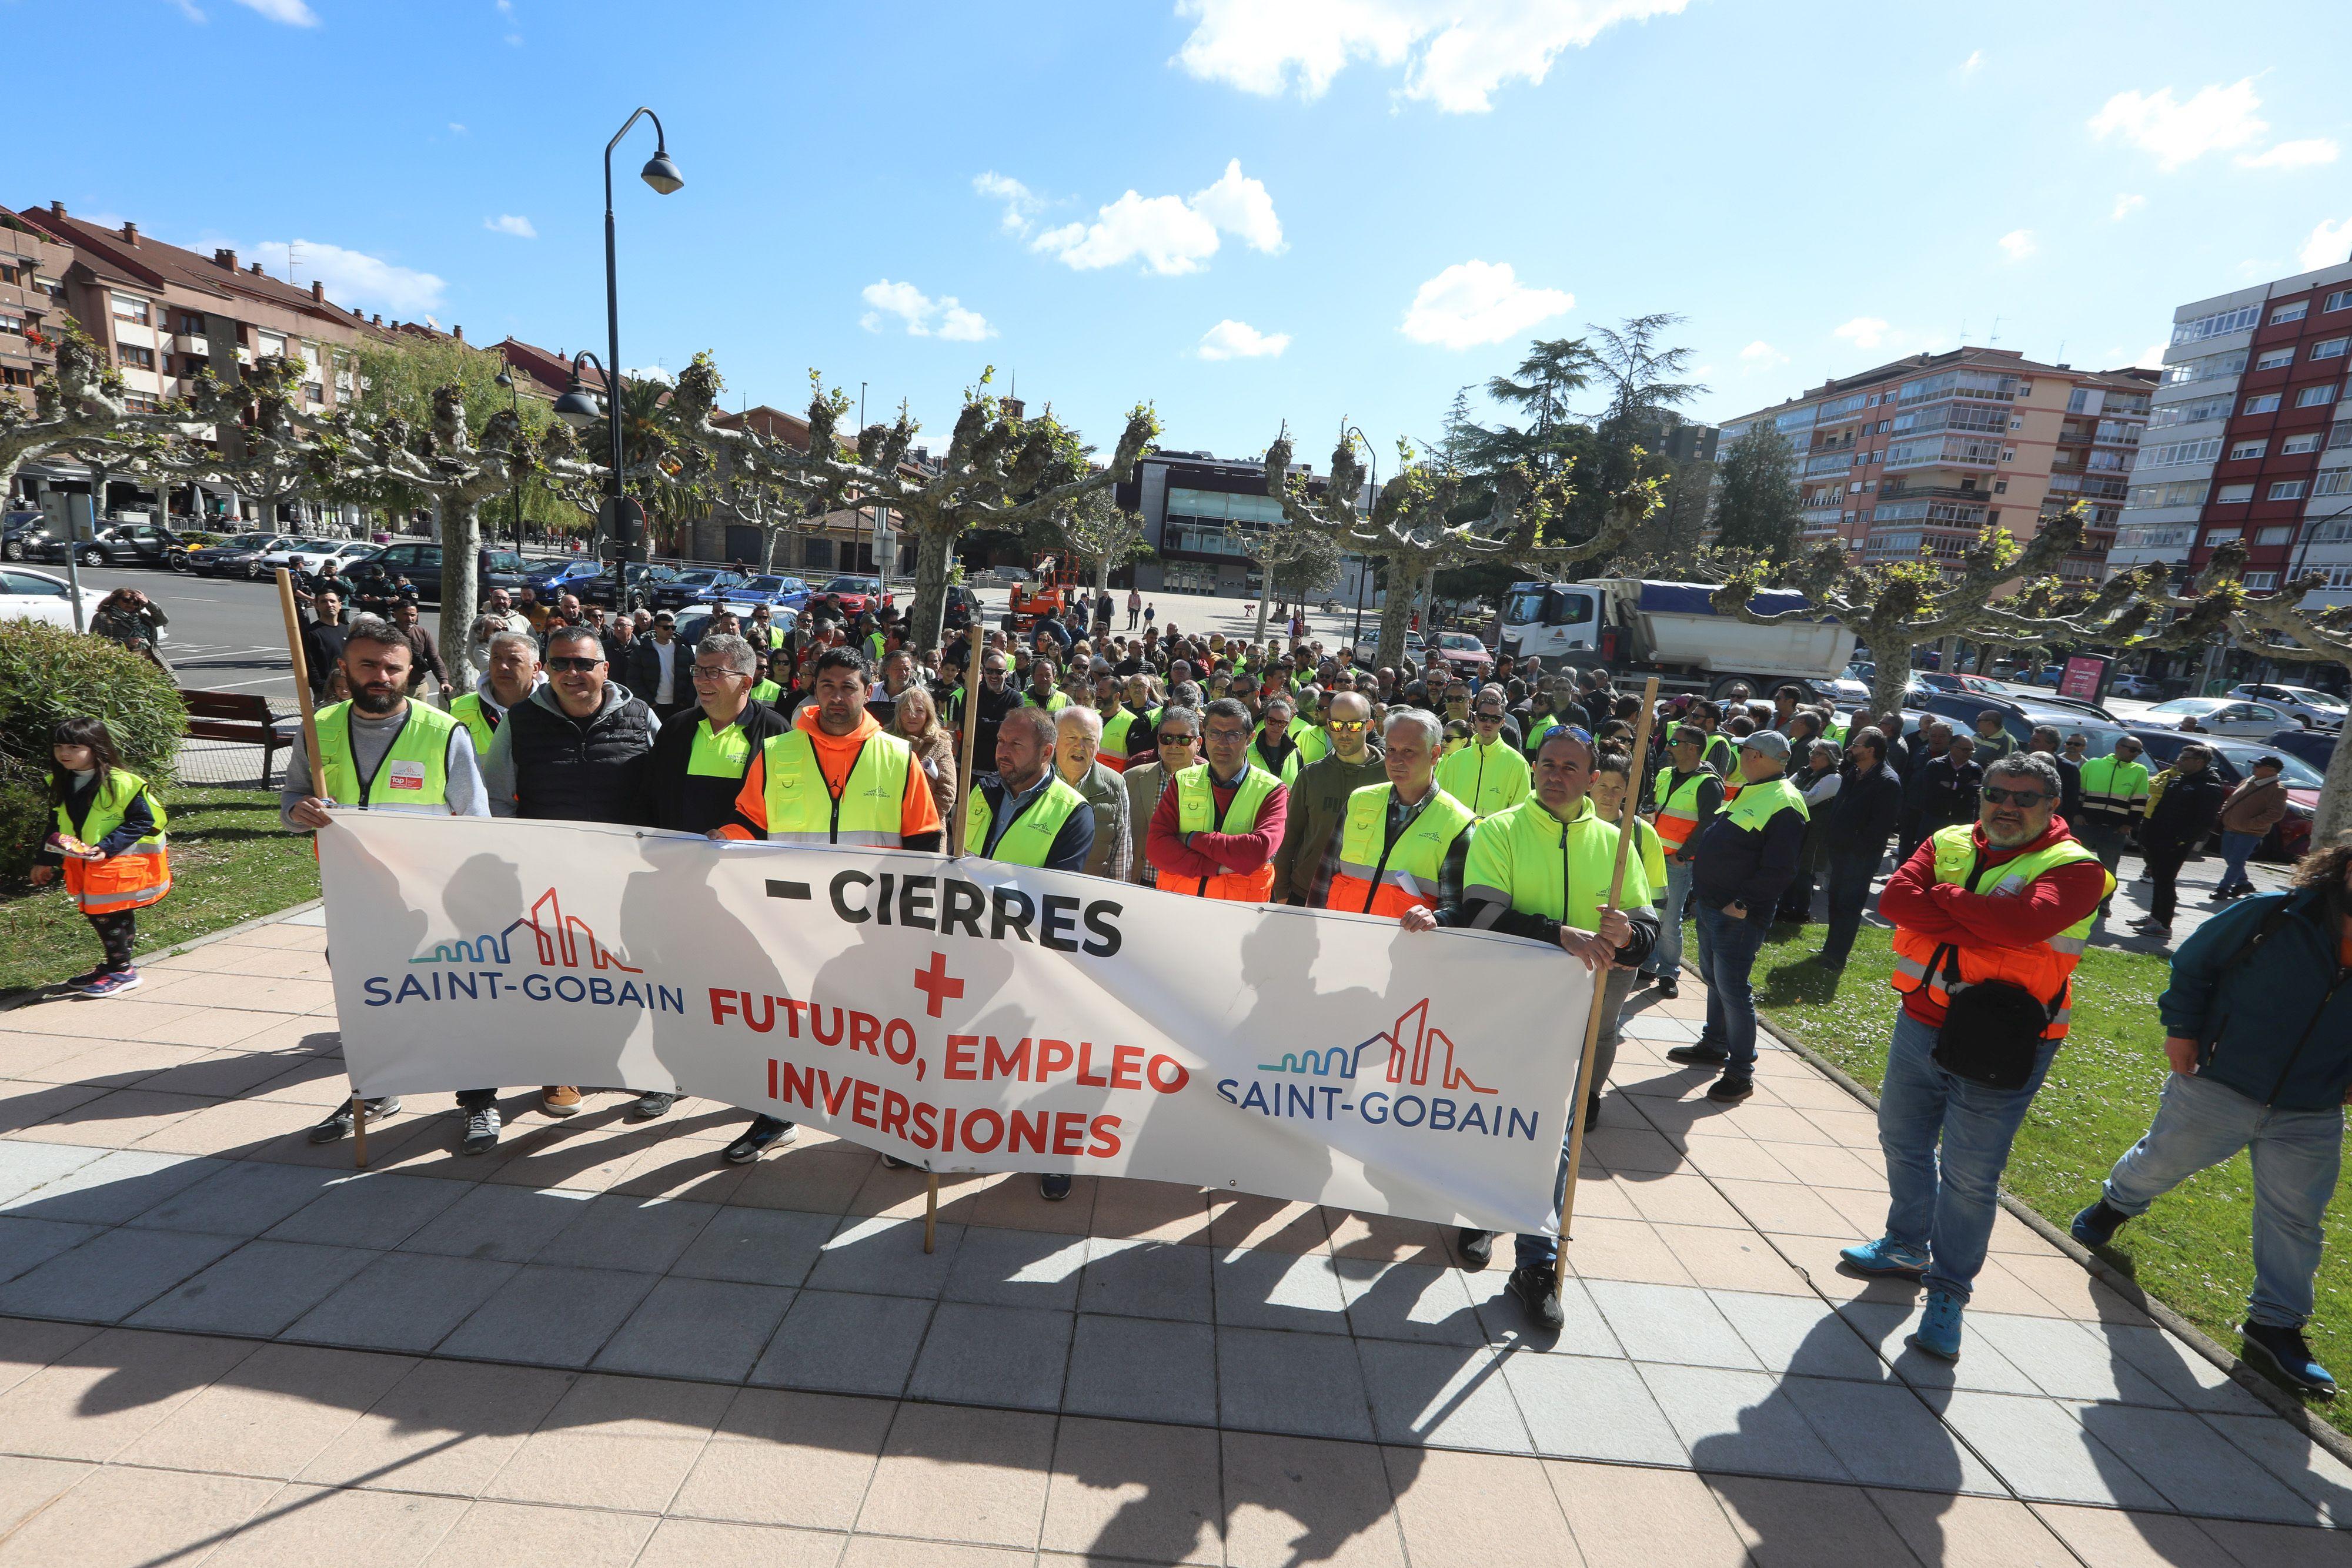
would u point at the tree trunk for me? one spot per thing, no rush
(1396, 612)
(1265, 600)
(1891, 674)
(2335, 811)
(461, 583)
(1102, 575)
(932, 549)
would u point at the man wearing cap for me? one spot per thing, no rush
(1685, 797)
(1747, 859)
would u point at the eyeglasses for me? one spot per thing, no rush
(2029, 799)
(575, 666)
(1345, 725)
(716, 673)
(1177, 739)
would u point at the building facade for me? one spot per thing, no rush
(1921, 454)
(1206, 516)
(32, 301)
(2252, 439)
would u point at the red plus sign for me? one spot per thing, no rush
(937, 984)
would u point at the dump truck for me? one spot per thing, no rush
(1672, 629)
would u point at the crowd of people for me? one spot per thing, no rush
(1277, 772)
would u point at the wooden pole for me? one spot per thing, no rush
(971, 686)
(311, 751)
(1625, 818)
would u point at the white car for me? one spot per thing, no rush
(296, 557)
(2131, 685)
(2316, 709)
(2222, 715)
(36, 596)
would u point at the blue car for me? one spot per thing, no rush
(565, 576)
(694, 586)
(776, 592)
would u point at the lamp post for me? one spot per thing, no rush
(663, 176)
(1373, 477)
(514, 395)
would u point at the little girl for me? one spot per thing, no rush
(110, 839)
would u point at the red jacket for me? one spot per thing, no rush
(1213, 854)
(1916, 901)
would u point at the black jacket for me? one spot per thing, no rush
(640, 670)
(2185, 813)
(594, 770)
(2070, 786)
(696, 803)
(323, 649)
(1863, 815)
(1910, 757)
(1947, 794)
(1753, 866)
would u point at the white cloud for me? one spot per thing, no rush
(513, 224)
(2152, 356)
(1974, 63)
(1453, 55)
(1760, 355)
(1021, 204)
(189, 9)
(2125, 205)
(2217, 118)
(293, 13)
(457, 128)
(1169, 234)
(2018, 244)
(923, 315)
(1231, 339)
(353, 277)
(1474, 302)
(2328, 243)
(2303, 154)
(1863, 331)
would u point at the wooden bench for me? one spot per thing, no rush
(236, 715)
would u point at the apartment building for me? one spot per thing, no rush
(32, 292)
(1204, 517)
(2251, 437)
(1924, 452)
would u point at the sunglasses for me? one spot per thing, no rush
(575, 666)
(1346, 725)
(1489, 718)
(2029, 799)
(1177, 740)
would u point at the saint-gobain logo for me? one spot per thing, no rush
(562, 941)
(1413, 1048)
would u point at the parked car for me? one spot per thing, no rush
(20, 531)
(421, 564)
(302, 554)
(2313, 706)
(598, 590)
(230, 554)
(124, 544)
(859, 594)
(561, 577)
(2232, 761)
(36, 596)
(2134, 685)
(1462, 654)
(685, 588)
(2315, 746)
(1944, 682)
(778, 593)
(1367, 652)
(2221, 716)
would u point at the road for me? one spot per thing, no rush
(226, 634)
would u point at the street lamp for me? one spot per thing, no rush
(505, 378)
(1374, 479)
(663, 176)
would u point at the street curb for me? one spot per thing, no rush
(2287, 1404)
(31, 994)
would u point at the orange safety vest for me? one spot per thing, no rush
(1196, 812)
(2045, 968)
(1677, 815)
(140, 874)
(1376, 877)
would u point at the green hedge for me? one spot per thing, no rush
(48, 673)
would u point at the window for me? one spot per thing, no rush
(2221, 535)
(2338, 300)
(2296, 445)
(2315, 397)
(2017, 424)
(2274, 535)
(2180, 493)
(2217, 324)
(2233, 495)
(132, 354)
(12, 324)
(2196, 412)
(2001, 487)
(2078, 400)
(132, 308)
(189, 325)
(2173, 452)
(2272, 358)
(2287, 490)
(2333, 349)
(2294, 312)
(2149, 538)
(2265, 581)
(270, 344)
(2245, 449)
(2332, 482)
(139, 403)
(2207, 368)
(2263, 403)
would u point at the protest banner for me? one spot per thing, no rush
(963, 1014)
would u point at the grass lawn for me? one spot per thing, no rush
(2193, 1251)
(230, 861)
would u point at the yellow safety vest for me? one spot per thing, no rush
(803, 808)
(1291, 763)
(412, 778)
(466, 709)
(138, 876)
(1376, 877)
(1486, 778)
(1677, 806)
(723, 754)
(1529, 859)
(766, 691)
(2113, 786)
(1759, 803)
(2045, 969)
(1196, 812)
(1117, 730)
(1055, 700)
(1029, 839)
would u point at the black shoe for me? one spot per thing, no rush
(1730, 1091)
(338, 1124)
(1700, 1055)
(763, 1134)
(1828, 961)
(649, 1106)
(481, 1131)
(1053, 1189)
(1592, 1112)
(2287, 1355)
(1476, 1246)
(1536, 1290)
(1668, 988)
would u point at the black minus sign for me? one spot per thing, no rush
(787, 889)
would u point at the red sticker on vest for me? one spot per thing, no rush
(404, 776)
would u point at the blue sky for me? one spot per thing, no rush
(1244, 213)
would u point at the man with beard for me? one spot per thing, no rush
(381, 752)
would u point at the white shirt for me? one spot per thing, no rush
(668, 653)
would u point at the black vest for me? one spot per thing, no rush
(582, 770)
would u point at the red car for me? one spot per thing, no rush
(859, 594)
(1463, 653)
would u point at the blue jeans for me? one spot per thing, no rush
(1849, 882)
(2296, 1156)
(1666, 957)
(1945, 1199)
(1538, 1252)
(1535, 1249)
(2237, 849)
(1726, 952)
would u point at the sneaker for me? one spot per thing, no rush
(114, 982)
(763, 1134)
(338, 1124)
(83, 982)
(1476, 1246)
(1938, 1332)
(1730, 1091)
(559, 1099)
(649, 1106)
(1536, 1290)
(2097, 1226)
(1053, 1189)
(1699, 1055)
(1668, 988)
(1884, 1256)
(2283, 1352)
(481, 1131)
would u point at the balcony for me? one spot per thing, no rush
(1936, 493)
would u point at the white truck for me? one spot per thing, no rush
(1673, 630)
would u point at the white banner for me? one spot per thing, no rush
(963, 1015)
